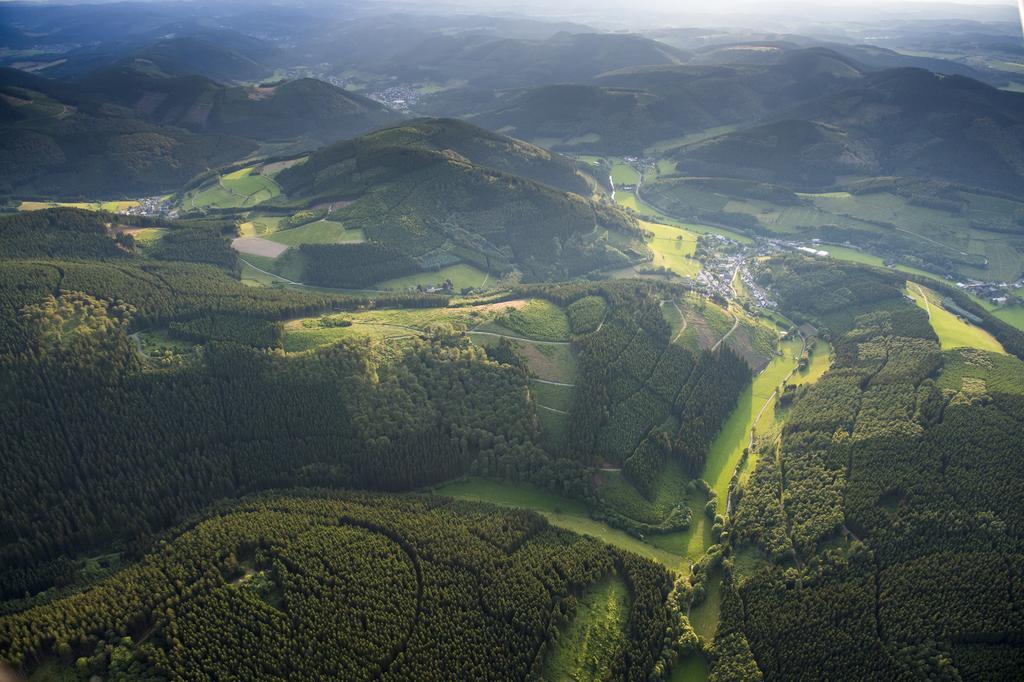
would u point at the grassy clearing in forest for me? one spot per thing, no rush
(587, 647)
(312, 332)
(462, 276)
(734, 437)
(953, 331)
(539, 320)
(559, 511)
(318, 232)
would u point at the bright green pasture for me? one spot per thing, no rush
(462, 275)
(953, 331)
(317, 232)
(728, 447)
(1013, 314)
(624, 174)
(673, 248)
(313, 332)
(241, 188)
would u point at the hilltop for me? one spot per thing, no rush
(442, 191)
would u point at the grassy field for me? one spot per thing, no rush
(313, 332)
(587, 647)
(555, 397)
(241, 188)
(318, 232)
(692, 138)
(945, 233)
(953, 331)
(112, 206)
(619, 494)
(673, 248)
(624, 174)
(559, 511)
(463, 276)
(631, 201)
(1013, 314)
(539, 319)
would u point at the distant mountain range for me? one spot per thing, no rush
(903, 122)
(131, 130)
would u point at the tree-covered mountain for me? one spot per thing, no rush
(440, 191)
(503, 63)
(194, 55)
(127, 131)
(904, 122)
(625, 110)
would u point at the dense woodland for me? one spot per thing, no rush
(881, 537)
(316, 585)
(222, 469)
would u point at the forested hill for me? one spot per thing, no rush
(880, 538)
(128, 131)
(356, 587)
(228, 412)
(900, 122)
(478, 146)
(625, 110)
(433, 192)
(487, 62)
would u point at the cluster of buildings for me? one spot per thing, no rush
(397, 97)
(999, 293)
(153, 206)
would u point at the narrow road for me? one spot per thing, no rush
(283, 279)
(520, 338)
(300, 284)
(736, 323)
(932, 241)
(686, 322)
(552, 383)
(550, 409)
(927, 305)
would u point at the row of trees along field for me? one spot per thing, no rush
(882, 538)
(319, 585)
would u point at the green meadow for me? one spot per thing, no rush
(462, 275)
(953, 331)
(559, 511)
(317, 232)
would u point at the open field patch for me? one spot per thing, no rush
(462, 276)
(589, 644)
(318, 232)
(258, 246)
(314, 332)
(539, 320)
(953, 331)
